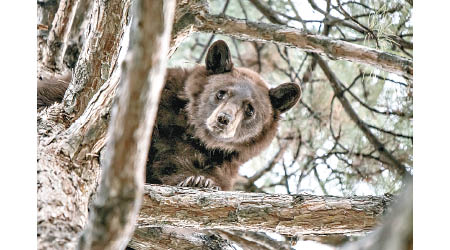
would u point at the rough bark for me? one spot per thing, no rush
(76, 36)
(114, 213)
(177, 238)
(71, 135)
(59, 34)
(396, 231)
(66, 183)
(67, 161)
(46, 10)
(99, 56)
(284, 214)
(185, 18)
(254, 240)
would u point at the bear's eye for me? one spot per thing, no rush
(221, 94)
(249, 111)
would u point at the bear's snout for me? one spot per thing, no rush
(223, 119)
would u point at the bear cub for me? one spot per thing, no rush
(211, 119)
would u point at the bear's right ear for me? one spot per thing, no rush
(218, 59)
(285, 96)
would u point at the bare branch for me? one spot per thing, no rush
(177, 238)
(313, 43)
(114, 213)
(59, 34)
(397, 230)
(267, 11)
(285, 214)
(336, 85)
(196, 18)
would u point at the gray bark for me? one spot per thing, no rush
(59, 35)
(284, 214)
(114, 213)
(397, 230)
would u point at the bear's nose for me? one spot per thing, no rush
(224, 119)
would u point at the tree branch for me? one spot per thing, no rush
(177, 238)
(285, 214)
(114, 213)
(397, 229)
(59, 35)
(99, 56)
(195, 17)
(312, 43)
(339, 92)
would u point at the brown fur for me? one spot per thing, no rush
(51, 89)
(200, 139)
(183, 146)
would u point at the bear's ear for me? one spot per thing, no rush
(285, 96)
(218, 59)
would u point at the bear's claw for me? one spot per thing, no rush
(199, 181)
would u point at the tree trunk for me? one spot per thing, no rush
(114, 213)
(100, 53)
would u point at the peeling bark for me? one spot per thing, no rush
(66, 183)
(70, 135)
(396, 231)
(76, 36)
(114, 213)
(59, 35)
(177, 238)
(46, 10)
(99, 57)
(284, 214)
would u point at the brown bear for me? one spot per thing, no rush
(211, 119)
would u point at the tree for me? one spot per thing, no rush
(358, 139)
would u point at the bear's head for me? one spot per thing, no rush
(232, 107)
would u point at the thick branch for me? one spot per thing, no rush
(338, 91)
(115, 211)
(193, 16)
(177, 238)
(46, 10)
(396, 231)
(285, 214)
(313, 43)
(59, 34)
(99, 56)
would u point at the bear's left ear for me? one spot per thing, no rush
(285, 96)
(218, 59)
